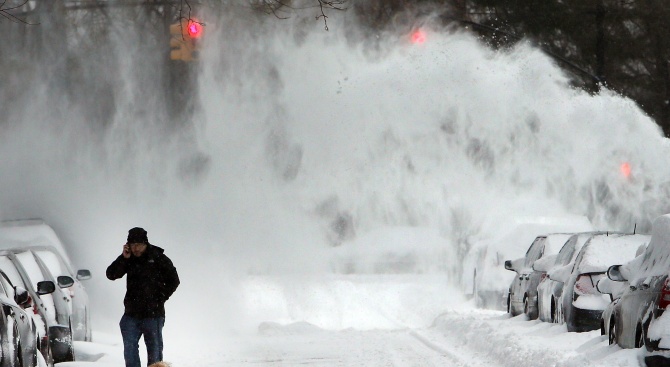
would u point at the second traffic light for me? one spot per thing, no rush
(185, 39)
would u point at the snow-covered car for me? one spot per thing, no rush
(45, 244)
(21, 338)
(614, 290)
(549, 291)
(22, 268)
(607, 320)
(581, 304)
(639, 318)
(522, 297)
(47, 257)
(40, 299)
(484, 275)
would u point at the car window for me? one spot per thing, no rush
(565, 255)
(52, 262)
(9, 287)
(535, 251)
(4, 291)
(31, 267)
(10, 270)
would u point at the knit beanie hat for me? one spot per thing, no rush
(137, 235)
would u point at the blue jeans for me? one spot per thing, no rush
(132, 329)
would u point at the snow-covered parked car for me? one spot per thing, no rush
(42, 306)
(522, 297)
(549, 290)
(48, 250)
(484, 274)
(18, 326)
(614, 290)
(581, 304)
(639, 316)
(54, 305)
(50, 259)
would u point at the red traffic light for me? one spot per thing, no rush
(418, 37)
(194, 29)
(625, 169)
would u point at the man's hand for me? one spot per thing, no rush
(126, 251)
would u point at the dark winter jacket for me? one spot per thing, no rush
(151, 281)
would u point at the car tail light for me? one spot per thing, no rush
(543, 277)
(35, 310)
(586, 284)
(664, 299)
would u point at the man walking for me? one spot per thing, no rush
(150, 282)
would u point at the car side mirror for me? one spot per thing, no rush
(65, 281)
(514, 265)
(45, 287)
(614, 273)
(83, 274)
(21, 297)
(508, 265)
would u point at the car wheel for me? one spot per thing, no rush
(532, 315)
(526, 306)
(612, 335)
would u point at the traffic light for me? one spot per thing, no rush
(418, 37)
(185, 39)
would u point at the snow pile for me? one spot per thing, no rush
(349, 301)
(517, 342)
(660, 330)
(656, 259)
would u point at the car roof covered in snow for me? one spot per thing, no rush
(605, 250)
(515, 242)
(30, 232)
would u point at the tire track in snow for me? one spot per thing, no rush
(456, 361)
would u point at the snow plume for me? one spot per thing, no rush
(301, 140)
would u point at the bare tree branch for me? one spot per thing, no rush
(5, 12)
(188, 18)
(334, 5)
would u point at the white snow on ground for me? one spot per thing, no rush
(383, 320)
